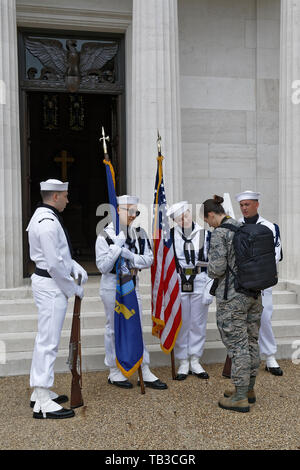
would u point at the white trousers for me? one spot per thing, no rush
(52, 306)
(108, 297)
(266, 340)
(191, 337)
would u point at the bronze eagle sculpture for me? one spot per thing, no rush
(70, 64)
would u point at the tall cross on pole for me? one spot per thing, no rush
(104, 138)
(158, 143)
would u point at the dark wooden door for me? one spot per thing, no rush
(63, 142)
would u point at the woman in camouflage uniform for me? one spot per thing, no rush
(238, 317)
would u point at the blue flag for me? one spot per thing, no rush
(128, 331)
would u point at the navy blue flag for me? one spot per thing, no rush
(128, 331)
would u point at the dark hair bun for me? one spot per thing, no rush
(218, 199)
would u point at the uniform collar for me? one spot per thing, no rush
(251, 220)
(195, 228)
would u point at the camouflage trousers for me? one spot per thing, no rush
(238, 321)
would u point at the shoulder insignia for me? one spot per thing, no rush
(45, 218)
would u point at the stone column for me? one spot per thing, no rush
(11, 260)
(289, 138)
(154, 99)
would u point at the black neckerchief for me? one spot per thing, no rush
(251, 220)
(60, 219)
(188, 247)
(130, 242)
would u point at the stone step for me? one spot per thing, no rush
(90, 338)
(91, 288)
(89, 304)
(94, 304)
(18, 326)
(28, 322)
(19, 363)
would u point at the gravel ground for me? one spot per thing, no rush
(184, 417)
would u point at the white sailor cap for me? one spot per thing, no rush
(53, 185)
(177, 209)
(245, 195)
(127, 200)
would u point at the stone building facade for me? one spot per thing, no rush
(218, 78)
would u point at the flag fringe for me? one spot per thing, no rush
(128, 373)
(168, 351)
(111, 170)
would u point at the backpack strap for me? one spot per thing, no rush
(235, 229)
(277, 237)
(231, 227)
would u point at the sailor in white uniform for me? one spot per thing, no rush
(52, 285)
(249, 203)
(133, 245)
(191, 244)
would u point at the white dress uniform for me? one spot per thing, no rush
(106, 257)
(50, 252)
(190, 341)
(267, 341)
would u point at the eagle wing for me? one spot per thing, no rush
(50, 53)
(93, 56)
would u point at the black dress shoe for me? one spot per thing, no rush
(60, 414)
(157, 384)
(274, 370)
(58, 400)
(202, 375)
(121, 383)
(180, 377)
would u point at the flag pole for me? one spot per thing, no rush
(172, 352)
(105, 139)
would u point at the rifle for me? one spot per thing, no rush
(227, 368)
(74, 359)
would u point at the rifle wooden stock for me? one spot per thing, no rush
(227, 368)
(142, 385)
(75, 355)
(173, 364)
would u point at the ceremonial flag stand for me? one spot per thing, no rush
(131, 331)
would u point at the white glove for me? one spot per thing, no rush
(125, 253)
(120, 239)
(80, 292)
(77, 269)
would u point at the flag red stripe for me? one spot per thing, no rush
(166, 306)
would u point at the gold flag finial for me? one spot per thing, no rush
(104, 138)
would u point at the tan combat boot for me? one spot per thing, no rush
(251, 395)
(228, 404)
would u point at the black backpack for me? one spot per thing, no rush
(255, 259)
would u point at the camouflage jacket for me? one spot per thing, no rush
(221, 253)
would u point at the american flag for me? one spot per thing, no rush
(166, 306)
